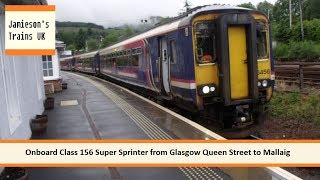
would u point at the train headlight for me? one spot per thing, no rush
(259, 84)
(206, 90)
(264, 83)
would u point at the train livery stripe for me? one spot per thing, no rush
(127, 74)
(183, 83)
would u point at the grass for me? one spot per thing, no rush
(296, 106)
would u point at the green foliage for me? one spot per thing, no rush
(92, 45)
(281, 10)
(247, 5)
(312, 30)
(71, 47)
(266, 8)
(296, 106)
(311, 9)
(80, 39)
(110, 38)
(164, 20)
(67, 37)
(303, 50)
(283, 33)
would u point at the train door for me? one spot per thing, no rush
(238, 58)
(165, 65)
(238, 62)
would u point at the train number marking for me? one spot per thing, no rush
(264, 71)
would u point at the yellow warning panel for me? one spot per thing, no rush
(69, 103)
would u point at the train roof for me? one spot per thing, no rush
(86, 55)
(65, 58)
(175, 23)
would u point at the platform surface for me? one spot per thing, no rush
(93, 109)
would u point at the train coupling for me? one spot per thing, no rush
(243, 116)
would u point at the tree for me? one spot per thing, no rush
(311, 9)
(71, 47)
(92, 45)
(281, 10)
(266, 8)
(66, 36)
(89, 32)
(111, 38)
(128, 31)
(80, 39)
(247, 5)
(165, 19)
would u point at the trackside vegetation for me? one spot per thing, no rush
(296, 106)
(291, 41)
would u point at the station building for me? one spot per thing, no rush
(21, 85)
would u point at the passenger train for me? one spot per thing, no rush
(213, 61)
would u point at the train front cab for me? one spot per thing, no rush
(232, 66)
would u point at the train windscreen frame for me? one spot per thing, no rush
(205, 35)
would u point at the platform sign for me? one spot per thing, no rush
(30, 30)
(160, 153)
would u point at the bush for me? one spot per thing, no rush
(299, 50)
(281, 51)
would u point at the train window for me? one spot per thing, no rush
(139, 50)
(205, 42)
(262, 47)
(262, 44)
(123, 61)
(129, 57)
(129, 52)
(134, 51)
(135, 60)
(173, 52)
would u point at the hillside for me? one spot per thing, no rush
(90, 36)
(78, 25)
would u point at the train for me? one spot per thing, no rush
(214, 61)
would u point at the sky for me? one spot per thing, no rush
(110, 13)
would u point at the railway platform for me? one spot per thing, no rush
(92, 108)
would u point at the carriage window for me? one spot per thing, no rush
(173, 52)
(134, 51)
(123, 61)
(205, 42)
(139, 51)
(135, 60)
(136, 54)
